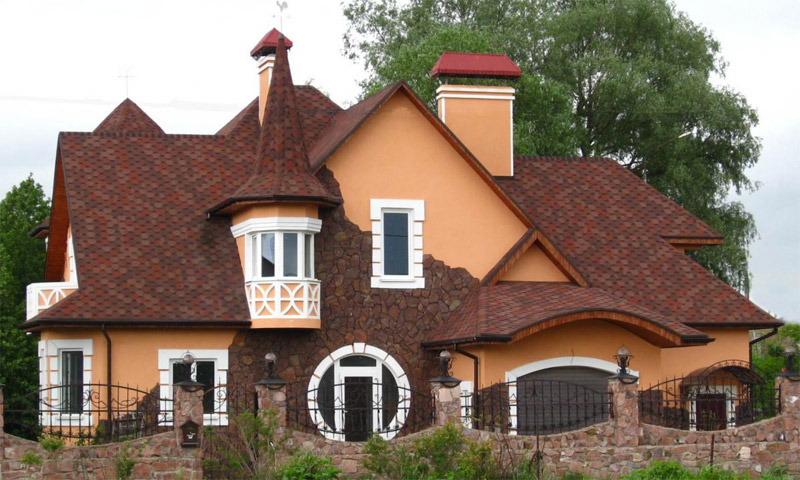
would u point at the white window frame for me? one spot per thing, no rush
(50, 375)
(278, 226)
(415, 209)
(730, 392)
(168, 357)
(383, 359)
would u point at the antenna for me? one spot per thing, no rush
(127, 76)
(282, 6)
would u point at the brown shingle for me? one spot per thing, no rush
(128, 119)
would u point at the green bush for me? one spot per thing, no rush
(30, 458)
(306, 466)
(51, 443)
(123, 463)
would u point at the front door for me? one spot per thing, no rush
(710, 411)
(357, 408)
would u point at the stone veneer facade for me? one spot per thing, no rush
(396, 321)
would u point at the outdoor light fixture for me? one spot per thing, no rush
(444, 377)
(189, 385)
(623, 358)
(272, 381)
(789, 371)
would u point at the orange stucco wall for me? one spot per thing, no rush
(277, 210)
(135, 351)
(534, 266)
(601, 340)
(482, 122)
(398, 154)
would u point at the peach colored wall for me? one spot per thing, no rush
(484, 125)
(588, 338)
(135, 351)
(277, 210)
(264, 79)
(729, 344)
(534, 266)
(398, 154)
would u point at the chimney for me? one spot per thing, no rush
(481, 116)
(264, 54)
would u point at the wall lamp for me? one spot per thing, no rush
(271, 381)
(189, 384)
(789, 371)
(445, 379)
(623, 358)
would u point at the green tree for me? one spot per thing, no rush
(625, 79)
(21, 262)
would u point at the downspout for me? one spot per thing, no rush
(475, 385)
(108, 379)
(759, 339)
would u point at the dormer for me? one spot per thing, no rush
(481, 116)
(275, 214)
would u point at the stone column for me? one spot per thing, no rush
(446, 404)
(790, 408)
(2, 400)
(625, 412)
(272, 399)
(188, 408)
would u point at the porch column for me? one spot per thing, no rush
(188, 414)
(274, 399)
(624, 411)
(446, 404)
(790, 407)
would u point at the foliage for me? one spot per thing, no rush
(675, 471)
(51, 443)
(123, 464)
(626, 79)
(306, 466)
(248, 448)
(769, 356)
(442, 454)
(30, 458)
(21, 262)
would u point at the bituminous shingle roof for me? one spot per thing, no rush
(128, 119)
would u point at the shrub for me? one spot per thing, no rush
(51, 443)
(307, 466)
(30, 458)
(123, 463)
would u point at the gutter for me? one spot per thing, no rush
(760, 339)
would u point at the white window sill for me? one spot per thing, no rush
(399, 283)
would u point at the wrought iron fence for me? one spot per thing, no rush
(88, 413)
(726, 394)
(355, 410)
(230, 418)
(536, 407)
(223, 403)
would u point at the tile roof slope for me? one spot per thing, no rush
(502, 310)
(486, 65)
(610, 224)
(126, 119)
(269, 44)
(143, 247)
(281, 170)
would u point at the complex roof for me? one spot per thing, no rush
(146, 253)
(485, 65)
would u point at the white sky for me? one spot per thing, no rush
(62, 62)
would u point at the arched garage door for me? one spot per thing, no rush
(561, 399)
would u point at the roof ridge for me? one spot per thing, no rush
(128, 117)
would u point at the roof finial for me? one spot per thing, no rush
(282, 6)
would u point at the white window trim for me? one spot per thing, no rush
(50, 376)
(730, 392)
(167, 357)
(277, 225)
(384, 359)
(556, 362)
(416, 215)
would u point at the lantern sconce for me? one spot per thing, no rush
(271, 381)
(445, 379)
(789, 372)
(189, 384)
(623, 358)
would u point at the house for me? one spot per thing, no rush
(356, 244)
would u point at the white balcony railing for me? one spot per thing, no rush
(283, 299)
(42, 296)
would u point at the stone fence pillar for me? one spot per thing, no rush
(188, 410)
(274, 399)
(625, 412)
(446, 404)
(790, 407)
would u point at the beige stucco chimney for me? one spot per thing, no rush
(264, 54)
(481, 116)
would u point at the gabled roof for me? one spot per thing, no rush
(612, 227)
(482, 65)
(128, 119)
(509, 311)
(269, 44)
(282, 171)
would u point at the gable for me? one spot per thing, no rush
(397, 153)
(534, 266)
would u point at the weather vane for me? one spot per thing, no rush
(127, 76)
(282, 6)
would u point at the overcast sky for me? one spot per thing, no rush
(63, 65)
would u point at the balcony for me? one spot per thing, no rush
(285, 303)
(42, 296)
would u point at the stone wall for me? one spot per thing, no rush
(394, 320)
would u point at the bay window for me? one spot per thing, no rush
(281, 255)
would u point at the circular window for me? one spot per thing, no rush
(356, 391)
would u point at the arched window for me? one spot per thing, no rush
(357, 390)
